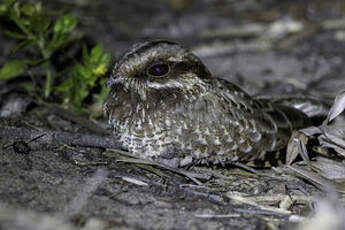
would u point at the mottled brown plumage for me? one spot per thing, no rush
(165, 105)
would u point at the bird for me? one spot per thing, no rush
(165, 105)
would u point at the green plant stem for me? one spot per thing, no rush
(48, 80)
(46, 55)
(23, 28)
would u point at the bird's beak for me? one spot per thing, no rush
(115, 78)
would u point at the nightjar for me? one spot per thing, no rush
(165, 105)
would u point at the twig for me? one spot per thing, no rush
(249, 201)
(217, 216)
(192, 176)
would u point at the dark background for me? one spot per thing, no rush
(248, 41)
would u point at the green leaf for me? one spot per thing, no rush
(23, 21)
(82, 94)
(16, 9)
(57, 42)
(84, 73)
(13, 69)
(38, 7)
(66, 85)
(15, 34)
(84, 77)
(96, 53)
(39, 23)
(65, 24)
(3, 9)
(100, 69)
(103, 64)
(63, 32)
(28, 9)
(22, 45)
(106, 58)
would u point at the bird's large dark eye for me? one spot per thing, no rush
(158, 70)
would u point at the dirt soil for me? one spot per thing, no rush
(268, 47)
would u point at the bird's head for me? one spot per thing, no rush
(157, 66)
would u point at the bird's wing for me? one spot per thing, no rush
(255, 127)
